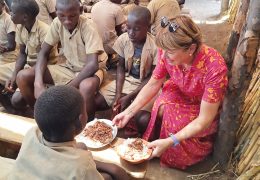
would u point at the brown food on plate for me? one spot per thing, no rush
(137, 144)
(100, 131)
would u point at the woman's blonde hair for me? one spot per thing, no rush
(186, 34)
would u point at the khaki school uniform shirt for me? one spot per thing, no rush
(46, 7)
(125, 48)
(160, 8)
(6, 27)
(107, 16)
(34, 40)
(76, 45)
(39, 159)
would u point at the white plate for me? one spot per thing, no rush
(93, 144)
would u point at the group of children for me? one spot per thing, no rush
(27, 72)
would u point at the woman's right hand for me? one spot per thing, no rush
(122, 118)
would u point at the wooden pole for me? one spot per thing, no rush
(248, 45)
(235, 34)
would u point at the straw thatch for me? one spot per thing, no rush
(247, 151)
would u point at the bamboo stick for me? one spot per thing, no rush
(254, 79)
(248, 106)
(253, 141)
(250, 121)
(250, 99)
(251, 129)
(250, 173)
(242, 164)
(255, 107)
(253, 95)
(244, 147)
(257, 177)
(244, 142)
(252, 161)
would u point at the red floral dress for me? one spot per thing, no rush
(181, 97)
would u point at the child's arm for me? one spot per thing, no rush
(119, 29)
(40, 68)
(53, 15)
(89, 70)
(116, 172)
(126, 100)
(10, 84)
(120, 78)
(11, 43)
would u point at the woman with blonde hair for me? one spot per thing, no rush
(185, 115)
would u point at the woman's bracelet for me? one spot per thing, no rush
(174, 139)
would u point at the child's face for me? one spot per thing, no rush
(16, 16)
(68, 15)
(136, 29)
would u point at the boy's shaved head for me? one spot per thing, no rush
(74, 2)
(142, 13)
(29, 7)
(57, 112)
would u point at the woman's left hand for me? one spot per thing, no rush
(159, 146)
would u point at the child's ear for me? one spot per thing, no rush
(78, 126)
(81, 9)
(25, 17)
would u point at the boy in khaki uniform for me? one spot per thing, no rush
(160, 8)
(60, 116)
(47, 10)
(7, 37)
(29, 35)
(137, 57)
(83, 50)
(108, 22)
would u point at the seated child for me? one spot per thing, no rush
(7, 37)
(84, 53)
(129, 7)
(29, 35)
(108, 22)
(60, 115)
(47, 10)
(137, 57)
(160, 8)
(88, 4)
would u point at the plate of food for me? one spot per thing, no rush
(98, 133)
(134, 150)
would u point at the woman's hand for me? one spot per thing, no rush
(122, 119)
(159, 146)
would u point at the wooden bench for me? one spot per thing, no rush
(13, 128)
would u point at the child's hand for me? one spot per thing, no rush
(124, 102)
(122, 119)
(3, 49)
(10, 85)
